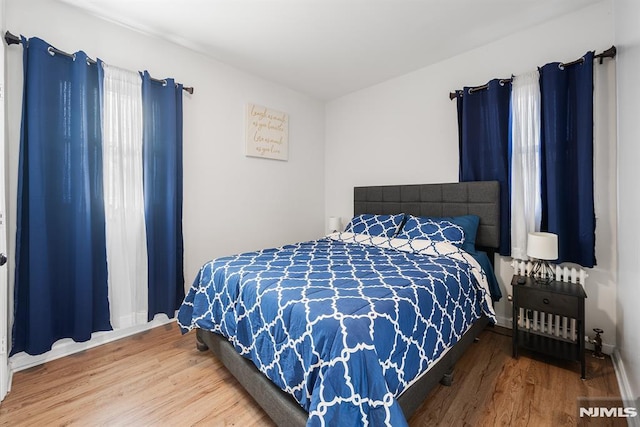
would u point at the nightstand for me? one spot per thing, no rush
(549, 300)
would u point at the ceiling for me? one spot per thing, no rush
(328, 48)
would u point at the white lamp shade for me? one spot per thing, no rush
(542, 246)
(335, 224)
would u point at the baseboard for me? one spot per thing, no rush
(66, 347)
(606, 348)
(10, 381)
(505, 322)
(623, 382)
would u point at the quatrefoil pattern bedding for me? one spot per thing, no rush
(437, 230)
(375, 225)
(345, 323)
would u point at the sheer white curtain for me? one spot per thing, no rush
(124, 197)
(526, 204)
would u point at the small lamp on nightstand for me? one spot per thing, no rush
(542, 248)
(334, 224)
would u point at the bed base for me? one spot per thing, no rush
(285, 411)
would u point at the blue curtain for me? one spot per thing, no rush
(162, 157)
(483, 129)
(567, 159)
(61, 270)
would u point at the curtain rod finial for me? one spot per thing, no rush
(609, 53)
(11, 38)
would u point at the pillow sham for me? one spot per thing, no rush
(375, 225)
(469, 224)
(435, 229)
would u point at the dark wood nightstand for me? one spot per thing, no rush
(554, 298)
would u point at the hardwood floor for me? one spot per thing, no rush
(159, 378)
(491, 388)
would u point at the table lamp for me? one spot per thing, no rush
(334, 224)
(542, 248)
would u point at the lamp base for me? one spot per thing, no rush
(542, 272)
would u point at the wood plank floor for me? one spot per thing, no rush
(158, 378)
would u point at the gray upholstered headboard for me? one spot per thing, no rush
(480, 198)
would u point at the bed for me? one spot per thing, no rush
(347, 324)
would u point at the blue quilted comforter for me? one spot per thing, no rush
(344, 324)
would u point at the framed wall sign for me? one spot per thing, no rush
(267, 133)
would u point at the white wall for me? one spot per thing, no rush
(627, 38)
(404, 131)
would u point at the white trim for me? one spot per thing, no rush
(5, 371)
(9, 380)
(505, 322)
(606, 348)
(66, 347)
(623, 383)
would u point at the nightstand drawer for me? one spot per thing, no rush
(541, 300)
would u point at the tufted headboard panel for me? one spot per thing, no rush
(480, 198)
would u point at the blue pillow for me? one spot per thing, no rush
(469, 224)
(435, 229)
(375, 225)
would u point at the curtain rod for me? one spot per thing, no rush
(609, 53)
(13, 39)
